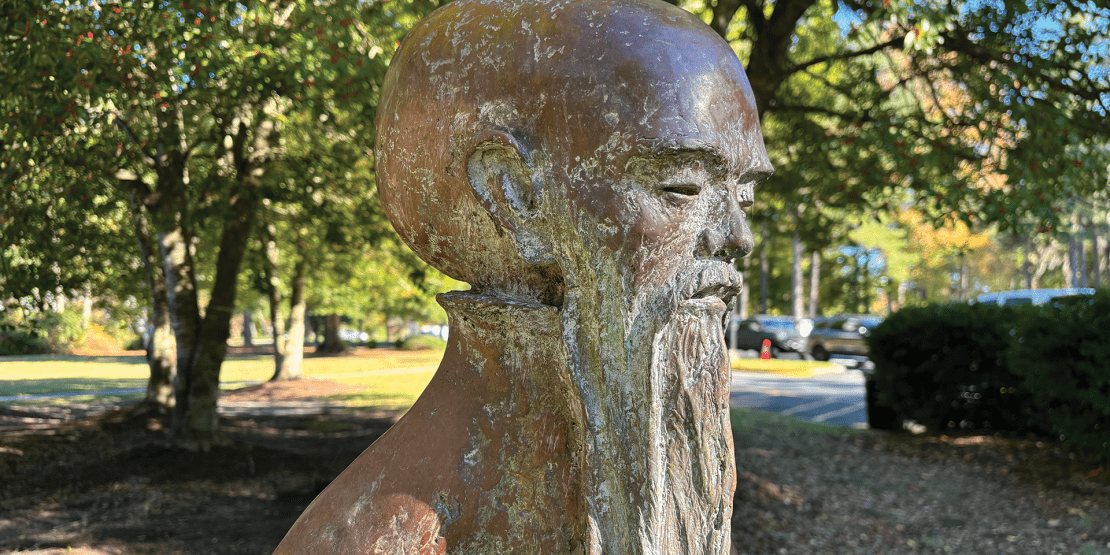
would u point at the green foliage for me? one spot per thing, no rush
(421, 342)
(989, 112)
(17, 341)
(63, 329)
(1042, 369)
(42, 333)
(1063, 356)
(945, 365)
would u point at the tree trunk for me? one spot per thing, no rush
(181, 288)
(1096, 259)
(273, 295)
(1027, 267)
(87, 305)
(814, 282)
(865, 283)
(1069, 264)
(764, 266)
(161, 346)
(248, 331)
(965, 280)
(294, 347)
(332, 343)
(745, 293)
(1080, 260)
(204, 391)
(797, 276)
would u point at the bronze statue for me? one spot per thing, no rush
(584, 165)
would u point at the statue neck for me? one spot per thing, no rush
(505, 387)
(514, 334)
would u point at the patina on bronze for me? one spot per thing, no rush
(584, 165)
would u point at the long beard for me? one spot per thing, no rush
(659, 472)
(694, 474)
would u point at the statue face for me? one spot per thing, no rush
(657, 161)
(651, 167)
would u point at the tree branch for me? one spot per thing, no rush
(862, 117)
(848, 55)
(724, 11)
(960, 43)
(122, 125)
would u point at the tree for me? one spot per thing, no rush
(868, 104)
(187, 102)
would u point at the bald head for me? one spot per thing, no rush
(558, 97)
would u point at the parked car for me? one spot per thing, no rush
(1030, 296)
(785, 333)
(844, 335)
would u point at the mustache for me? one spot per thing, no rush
(709, 278)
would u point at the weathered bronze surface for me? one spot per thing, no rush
(584, 165)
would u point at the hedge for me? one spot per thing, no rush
(944, 366)
(1023, 369)
(1064, 359)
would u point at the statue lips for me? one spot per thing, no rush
(713, 284)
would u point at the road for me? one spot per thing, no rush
(834, 398)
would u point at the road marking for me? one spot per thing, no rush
(807, 406)
(841, 412)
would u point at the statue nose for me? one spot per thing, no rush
(728, 235)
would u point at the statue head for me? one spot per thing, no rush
(521, 142)
(595, 156)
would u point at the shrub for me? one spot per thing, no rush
(945, 366)
(1063, 359)
(422, 341)
(97, 339)
(16, 341)
(62, 329)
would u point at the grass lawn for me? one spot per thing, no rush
(388, 377)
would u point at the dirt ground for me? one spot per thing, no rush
(111, 483)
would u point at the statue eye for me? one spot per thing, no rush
(682, 190)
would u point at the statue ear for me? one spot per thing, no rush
(501, 174)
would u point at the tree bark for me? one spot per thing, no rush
(770, 48)
(216, 328)
(1080, 260)
(332, 342)
(797, 276)
(965, 280)
(745, 293)
(1096, 259)
(294, 347)
(181, 288)
(161, 346)
(764, 267)
(1069, 264)
(273, 295)
(248, 324)
(814, 282)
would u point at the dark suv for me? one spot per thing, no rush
(781, 331)
(844, 335)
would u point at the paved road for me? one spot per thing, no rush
(835, 398)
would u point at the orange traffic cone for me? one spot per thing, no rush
(765, 351)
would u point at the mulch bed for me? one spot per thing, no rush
(111, 483)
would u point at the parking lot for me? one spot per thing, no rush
(835, 398)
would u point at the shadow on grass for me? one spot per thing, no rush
(374, 402)
(116, 359)
(67, 387)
